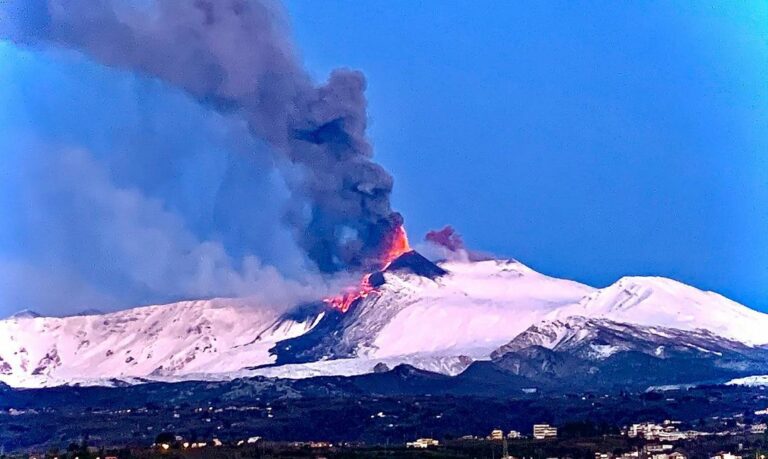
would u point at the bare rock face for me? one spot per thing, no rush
(5, 367)
(48, 363)
(381, 367)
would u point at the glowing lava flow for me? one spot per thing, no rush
(398, 245)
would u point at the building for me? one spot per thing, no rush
(422, 443)
(603, 456)
(514, 434)
(761, 412)
(666, 431)
(496, 434)
(657, 448)
(724, 455)
(758, 428)
(544, 431)
(672, 436)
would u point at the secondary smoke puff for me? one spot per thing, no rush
(446, 237)
(235, 56)
(447, 244)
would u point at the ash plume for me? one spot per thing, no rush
(236, 56)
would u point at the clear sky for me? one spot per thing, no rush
(590, 140)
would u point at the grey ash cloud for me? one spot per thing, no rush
(236, 56)
(165, 213)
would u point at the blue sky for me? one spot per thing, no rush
(588, 140)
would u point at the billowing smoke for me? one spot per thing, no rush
(235, 55)
(158, 150)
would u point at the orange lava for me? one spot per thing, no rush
(398, 245)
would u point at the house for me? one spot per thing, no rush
(724, 455)
(514, 434)
(422, 443)
(544, 431)
(496, 434)
(320, 444)
(657, 448)
(671, 435)
(666, 431)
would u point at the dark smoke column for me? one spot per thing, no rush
(236, 56)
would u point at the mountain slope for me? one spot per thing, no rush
(582, 352)
(192, 336)
(437, 318)
(666, 302)
(456, 309)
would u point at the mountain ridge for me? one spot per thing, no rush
(438, 317)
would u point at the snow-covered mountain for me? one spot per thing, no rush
(666, 302)
(589, 352)
(154, 341)
(598, 339)
(435, 318)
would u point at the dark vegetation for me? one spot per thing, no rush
(391, 407)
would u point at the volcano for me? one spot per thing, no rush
(442, 317)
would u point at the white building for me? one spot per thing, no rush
(667, 431)
(422, 443)
(660, 448)
(723, 455)
(544, 431)
(514, 434)
(496, 434)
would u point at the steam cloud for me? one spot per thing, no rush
(235, 55)
(164, 198)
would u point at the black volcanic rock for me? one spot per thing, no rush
(415, 263)
(380, 367)
(330, 339)
(412, 263)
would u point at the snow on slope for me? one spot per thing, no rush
(437, 325)
(750, 381)
(668, 303)
(596, 339)
(475, 308)
(154, 341)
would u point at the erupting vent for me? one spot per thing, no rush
(397, 245)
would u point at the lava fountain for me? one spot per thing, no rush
(397, 244)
